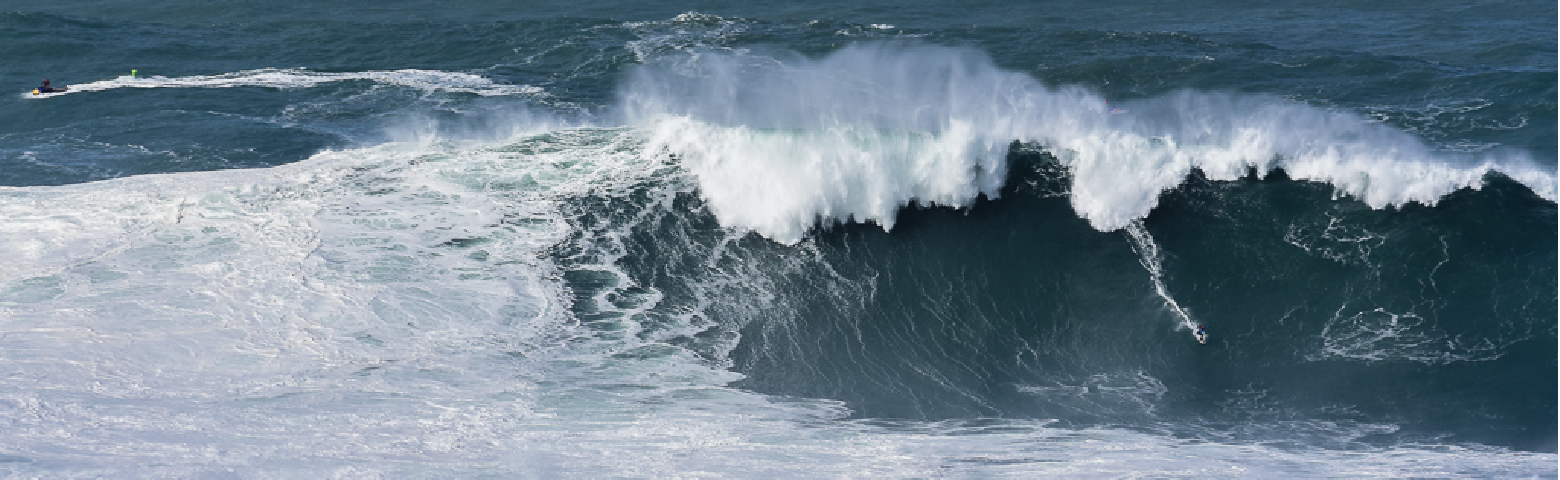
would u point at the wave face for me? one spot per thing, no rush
(406, 240)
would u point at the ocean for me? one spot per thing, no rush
(414, 239)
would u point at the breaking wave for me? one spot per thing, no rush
(779, 143)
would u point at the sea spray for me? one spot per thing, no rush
(780, 144)
(488, 296)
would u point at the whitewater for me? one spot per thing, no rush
(885, 125)
(506, 278)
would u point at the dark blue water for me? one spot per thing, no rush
(593, 239)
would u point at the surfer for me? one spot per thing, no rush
(1201, 334)
(1113, 110)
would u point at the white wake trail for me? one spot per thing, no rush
(1148, 255)
(283, 79)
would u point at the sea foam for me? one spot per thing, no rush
(781, 143)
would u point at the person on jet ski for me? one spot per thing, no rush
(45, 88)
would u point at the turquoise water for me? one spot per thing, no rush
(593, 239)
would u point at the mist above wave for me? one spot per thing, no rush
(779, 143)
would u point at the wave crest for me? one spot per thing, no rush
(779, 143)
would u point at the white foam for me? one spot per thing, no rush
(778, 143)
(689, 30)
(1381, 335)
(287, 264)
(134, 309)
(427, 80)
(391, 311)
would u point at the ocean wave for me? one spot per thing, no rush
(781, 143)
